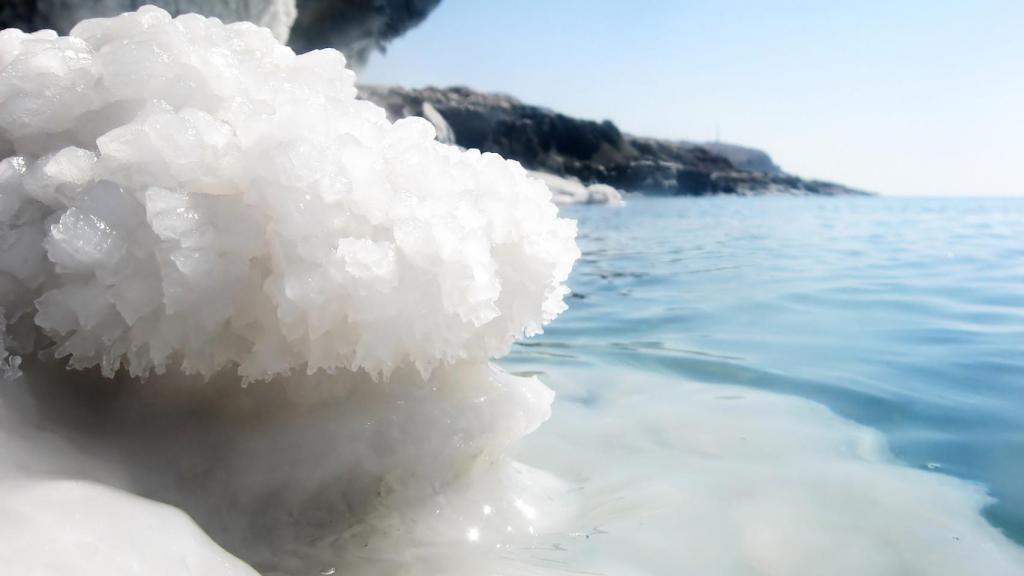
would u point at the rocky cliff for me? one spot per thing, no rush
(356, 27)
(594, 152)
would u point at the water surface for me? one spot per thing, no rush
(903, 315)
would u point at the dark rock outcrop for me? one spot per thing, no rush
(594, 152)
(356, 27)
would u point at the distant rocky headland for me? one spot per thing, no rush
(582, 153)
(593, 152)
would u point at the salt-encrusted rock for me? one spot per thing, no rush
(62, 15)
(183, 196)
(604, 194)
(73, 527)
(572, 191)
(179, 191)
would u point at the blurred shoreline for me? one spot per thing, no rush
(593, 152)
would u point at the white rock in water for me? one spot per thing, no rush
(72, 527)
(208, 198)
(441, 127)
(572, 191)
(604, 194)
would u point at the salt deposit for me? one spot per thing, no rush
(62, 15)
(677, 477)
(68, 527)
(572, 191)
(297, 474)
(281, 307)
(185, 192)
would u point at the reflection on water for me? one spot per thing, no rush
(903, 315)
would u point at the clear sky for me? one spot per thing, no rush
(899, 97)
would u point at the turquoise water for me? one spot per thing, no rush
(905, 315)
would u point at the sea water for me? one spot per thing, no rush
(893, 324)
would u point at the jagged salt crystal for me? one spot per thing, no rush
(208, 198)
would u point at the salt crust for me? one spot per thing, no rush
(184, 193)
(192, 204)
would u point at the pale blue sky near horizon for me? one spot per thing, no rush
(903, 97)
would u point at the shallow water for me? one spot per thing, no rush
(761, 386)
(902, 315)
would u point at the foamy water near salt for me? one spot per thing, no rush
(690, 316)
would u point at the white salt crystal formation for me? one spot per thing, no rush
(184, 193)
(184, 196)
(62, 15)
(571, 191)
(292, 476)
